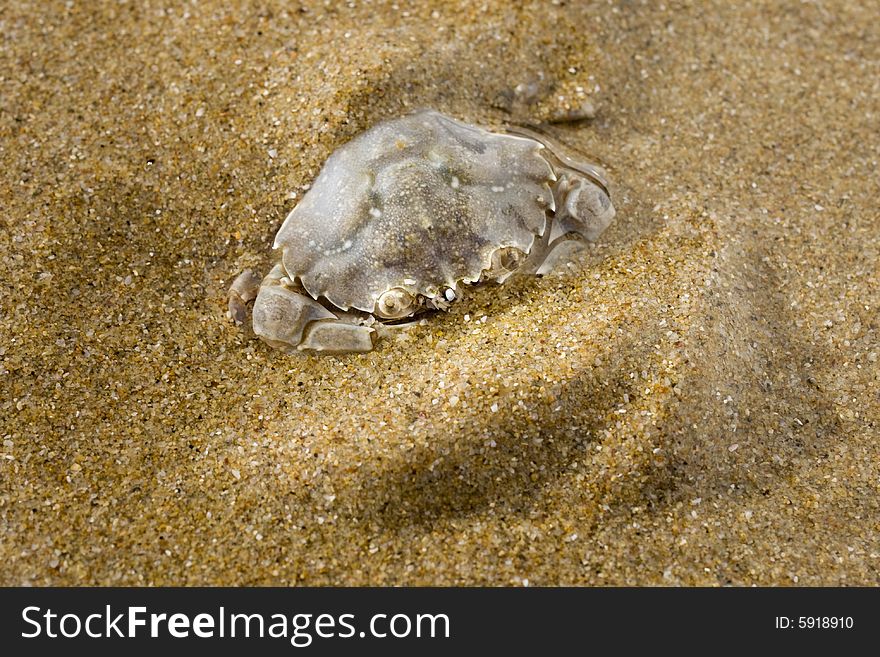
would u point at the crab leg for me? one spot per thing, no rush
(557, 155)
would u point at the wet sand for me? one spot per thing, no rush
(696, 402)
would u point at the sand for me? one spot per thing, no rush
(697, 401)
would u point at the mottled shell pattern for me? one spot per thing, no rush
(420, 203)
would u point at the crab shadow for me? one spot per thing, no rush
(515, 459)
(507, 462)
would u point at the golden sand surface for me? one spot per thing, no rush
(696, 402)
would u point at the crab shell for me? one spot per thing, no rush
(420, 203)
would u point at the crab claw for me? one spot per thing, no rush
(290, 321)
(243, 289)
(337, 338)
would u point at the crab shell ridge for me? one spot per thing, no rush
(419, 203)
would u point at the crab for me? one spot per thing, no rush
(403, 218)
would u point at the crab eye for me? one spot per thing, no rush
(507, 259)
(395, 303)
